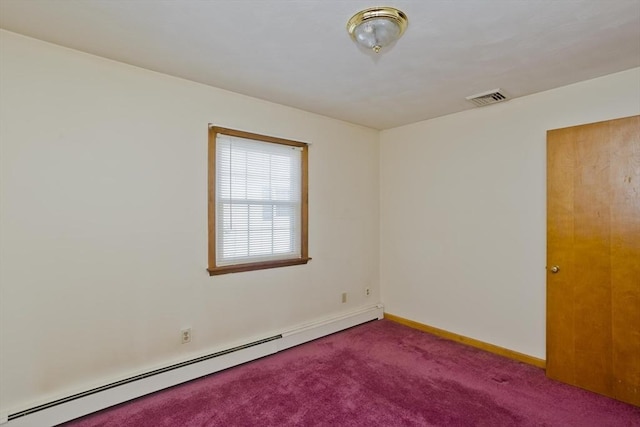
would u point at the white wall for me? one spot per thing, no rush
(104, 222)
(463, 211)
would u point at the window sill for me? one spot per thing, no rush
(237, 268)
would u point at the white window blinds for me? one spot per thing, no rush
(258, 187)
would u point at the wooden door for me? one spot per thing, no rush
(593, 241)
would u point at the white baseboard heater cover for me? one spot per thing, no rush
(80, 404)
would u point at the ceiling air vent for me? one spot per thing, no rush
(486, 98)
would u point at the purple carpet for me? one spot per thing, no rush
(377, 374)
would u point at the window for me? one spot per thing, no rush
(257, 201)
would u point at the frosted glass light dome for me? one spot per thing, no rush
(377, 27)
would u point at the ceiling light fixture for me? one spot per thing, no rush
(377, 27)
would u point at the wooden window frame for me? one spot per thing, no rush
(213, 268)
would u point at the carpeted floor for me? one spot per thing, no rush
(376, 374)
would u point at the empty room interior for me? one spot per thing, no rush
(467, 170)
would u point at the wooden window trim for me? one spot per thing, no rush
(214, 269)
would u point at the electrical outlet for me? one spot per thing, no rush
(367, 292)
(186, 335)
(344, 297)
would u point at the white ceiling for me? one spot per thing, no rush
(298, 53)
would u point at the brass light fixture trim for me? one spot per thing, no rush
(376, 17)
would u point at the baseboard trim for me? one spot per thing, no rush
(511, 354)
(71, 407)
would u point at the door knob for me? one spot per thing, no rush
(555, 269)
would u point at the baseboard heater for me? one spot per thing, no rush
(89, 401)
(139, 377)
